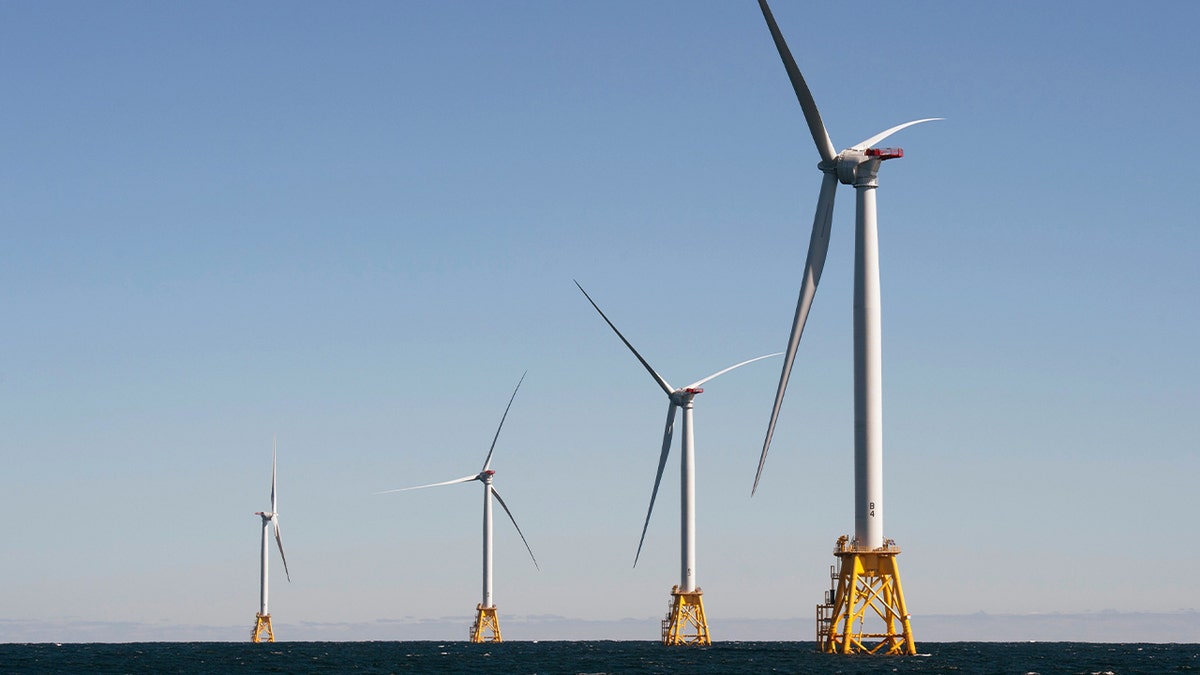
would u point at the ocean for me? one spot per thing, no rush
(617, 658)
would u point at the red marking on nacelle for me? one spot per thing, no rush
(490, 472)
(694, 390)
(885, 153)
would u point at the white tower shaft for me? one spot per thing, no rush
(868, 368)
(687, 506)
(262, 594)
(487, 542)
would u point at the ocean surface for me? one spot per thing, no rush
(959, 658)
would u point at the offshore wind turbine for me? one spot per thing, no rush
(868, 581)
(270, 520)
(685, 622)
(486, 620)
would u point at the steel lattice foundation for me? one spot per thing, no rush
(867, 591)
(262, 629)
(685, 623)
(487, 625)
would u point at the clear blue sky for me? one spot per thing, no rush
(355, 226)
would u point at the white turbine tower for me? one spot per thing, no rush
(868, 576)
(685, 622)
(486, 619)
(270, 520)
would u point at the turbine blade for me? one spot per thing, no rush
(657, 378)
(464, 479)
(273, 448)
(514, 522)
(884, 134)
(815, 126)
(818, 246)
(662, 464)
(279, 540)
(736, 365)
(487, 462)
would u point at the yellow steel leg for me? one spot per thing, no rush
(910, 646)
(848, 609)
(685, 623)
(868, 613)
(262, 627)
(487, 622)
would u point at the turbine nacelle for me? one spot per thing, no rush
(685, 395)
(859, 167)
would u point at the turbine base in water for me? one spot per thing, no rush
(262, 629)
(685, 623)
(864, 613)
(487, 625)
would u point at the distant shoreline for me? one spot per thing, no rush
(1115, 627)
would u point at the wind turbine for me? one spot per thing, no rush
(486, 619)
(270, 520)
(868, 577)
(685, 622)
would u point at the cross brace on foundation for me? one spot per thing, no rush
(487, 625)
(865, 613)
(685, 623)
(262, 629)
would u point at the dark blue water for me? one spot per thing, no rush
(618, 658)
